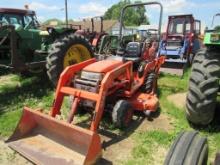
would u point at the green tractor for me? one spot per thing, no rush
(25, 46)
(204, 81)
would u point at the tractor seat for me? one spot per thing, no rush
(133, 51)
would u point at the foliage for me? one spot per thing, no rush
(133, 16)
(217, 28)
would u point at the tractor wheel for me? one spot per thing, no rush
(188, 148)
(67, 50)
(203, 88)
(141, 69)
(122, 114)
(149, 83)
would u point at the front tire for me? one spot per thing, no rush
(188, 149)
(122, 114)
(69, 49)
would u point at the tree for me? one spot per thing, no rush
(217, 28)
(133, 16)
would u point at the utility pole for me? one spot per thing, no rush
(66, 11)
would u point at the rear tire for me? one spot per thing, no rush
(150, 82)
(188, 149)
(203, 88)
(59, 51)
(122, 114)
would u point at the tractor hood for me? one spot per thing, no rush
(44, 33)
(103, 66)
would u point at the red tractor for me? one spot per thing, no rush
(180, 43)
(93, 36)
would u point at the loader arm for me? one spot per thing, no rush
(64, 80)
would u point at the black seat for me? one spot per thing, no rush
(133, 51)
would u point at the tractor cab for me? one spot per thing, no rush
(18, 18)
(17, 24)
(180, 25)
(181, 28)
(180, 42)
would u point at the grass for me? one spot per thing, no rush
(31, 91)
(150, 142)
(150, 146)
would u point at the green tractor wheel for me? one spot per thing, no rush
(69, 49)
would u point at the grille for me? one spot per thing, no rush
(174, 43)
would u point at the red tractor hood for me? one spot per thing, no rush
(103, 66)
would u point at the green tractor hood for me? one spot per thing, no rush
(212, 37)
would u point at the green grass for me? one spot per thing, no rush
(9, 82)
(150, 141)
(148, 145)
(32, 91)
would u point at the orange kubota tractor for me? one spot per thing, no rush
(119, 84)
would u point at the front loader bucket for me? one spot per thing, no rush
(46, 140)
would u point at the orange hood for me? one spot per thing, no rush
(103, 66)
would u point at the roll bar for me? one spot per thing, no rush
(140, 4)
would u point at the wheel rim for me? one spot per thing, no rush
(75, 54)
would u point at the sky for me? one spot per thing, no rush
(79, 9)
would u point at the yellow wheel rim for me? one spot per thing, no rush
(75, 54)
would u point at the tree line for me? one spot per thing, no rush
(133, 16)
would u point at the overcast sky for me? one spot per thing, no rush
(78, 9)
